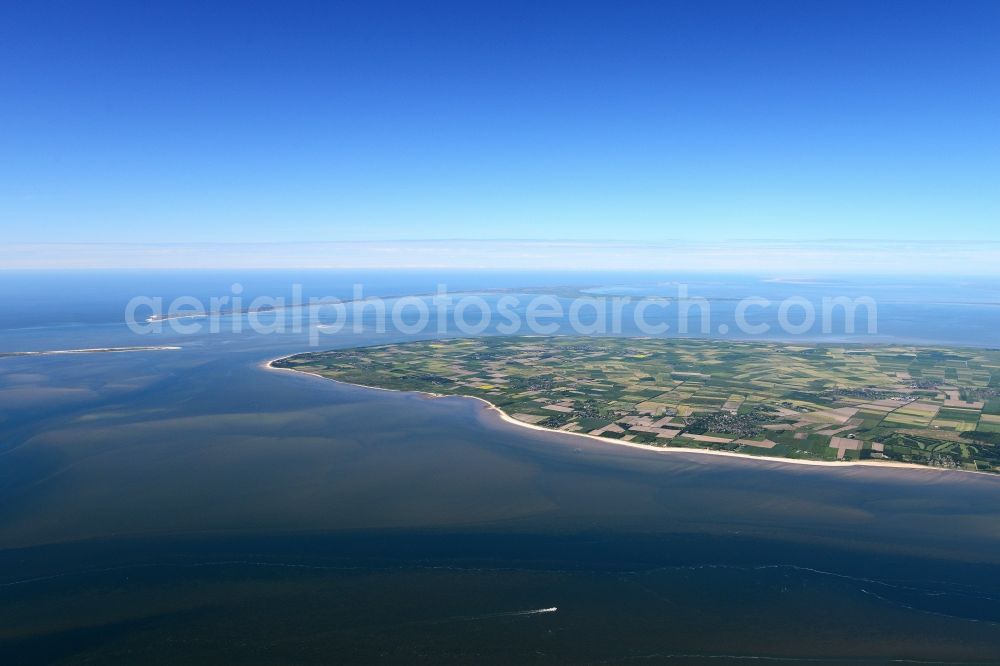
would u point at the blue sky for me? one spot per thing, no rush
(149, 122)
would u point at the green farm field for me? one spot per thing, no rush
(923, 405)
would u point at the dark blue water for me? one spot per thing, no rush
(190, 505)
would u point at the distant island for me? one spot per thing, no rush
(93, 350)
(904, 404)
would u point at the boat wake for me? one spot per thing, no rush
(491, 616)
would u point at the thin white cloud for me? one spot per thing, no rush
(768, 257)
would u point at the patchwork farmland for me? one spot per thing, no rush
(932, 406)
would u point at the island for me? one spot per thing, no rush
(891, 403)
(92, 350)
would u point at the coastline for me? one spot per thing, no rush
(504, 416)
